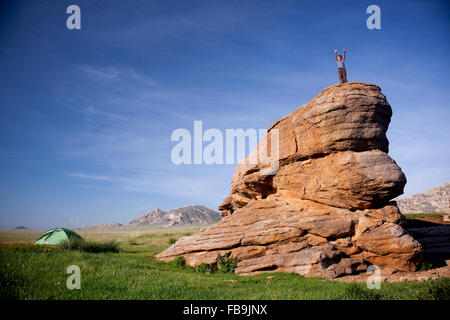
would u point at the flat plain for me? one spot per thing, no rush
(39, 272)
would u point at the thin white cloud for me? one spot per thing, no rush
(157, 183)
(89, 176)
(116, 74)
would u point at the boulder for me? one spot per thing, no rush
(324, 209)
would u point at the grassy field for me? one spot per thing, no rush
(37, 272)
(437, 216)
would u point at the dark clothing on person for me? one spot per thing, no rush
(341, 68)
(342, 75)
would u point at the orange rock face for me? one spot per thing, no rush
(326, 210)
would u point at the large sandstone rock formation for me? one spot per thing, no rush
(326, 210)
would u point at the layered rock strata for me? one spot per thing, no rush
(326, 209)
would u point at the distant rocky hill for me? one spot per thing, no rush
(435, 200)
(196, 214)
(108, 225)
(154, 216)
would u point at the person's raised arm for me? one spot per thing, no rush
(343, 58)
(335, 53)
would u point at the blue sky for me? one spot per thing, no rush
(86, 115)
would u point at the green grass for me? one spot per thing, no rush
(423, 215)
(91, 246)
(39, 272)
(414, 220)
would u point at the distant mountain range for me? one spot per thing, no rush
(186, 215)
(436, 200)
(108, 225)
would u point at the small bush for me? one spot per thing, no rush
(179, 262)
(95, 247)
(132, 242)
(438, 289)
(90, 246)
(172, 240)
(426, 265)
(225, 264)
(206, 268)
(71, 245)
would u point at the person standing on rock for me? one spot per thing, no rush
(341, 66)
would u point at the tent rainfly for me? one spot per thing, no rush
(58, 236)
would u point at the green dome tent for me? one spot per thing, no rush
(58, 236)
